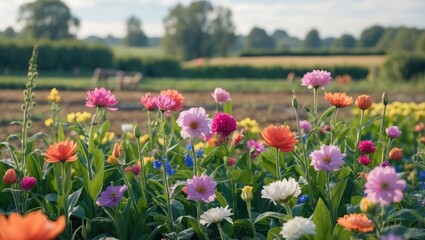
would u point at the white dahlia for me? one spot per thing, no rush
(215, 215)
(297, 227)
(281, 191)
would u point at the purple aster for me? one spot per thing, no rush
(28, 182)
(366, 147)
(328, 158)
(393, 132)
(255, 148)
(384, 186)
(194, 123)
(112, 196)
(305, 126)
(316, 79)
(201, 188)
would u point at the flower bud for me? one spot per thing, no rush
(137, 132)
(396, 154)
(364, 102)
(232, 161)
(246, 194)
(28, 182)
(384, 99)
(367, 206)
(10, 176)
(364, 160)
(294, 100)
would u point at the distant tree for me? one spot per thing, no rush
(420, 45)
(312, 40)
(405, 40)
(51, 19)
(258, 38)
(370, 37)
(9, 32)
(279, 35)
(328, 42)
(198, 30)
(135, 35)
(387, 39)
(345, 41)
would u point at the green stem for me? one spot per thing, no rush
(220, 230)
(65, 199)
(333, 125)
(328, 193)
(316, 127)
(364, 177)
(150, 131)
(251, 220)
(277, 164)
(167, 195)
(358, 138)
(195, 162)
(91, 139)
(15, 199)
(142, 164)
(288, 209)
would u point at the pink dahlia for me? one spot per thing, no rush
(384, 186)
(148, 102)
(177, 97)
(201, 188)
(316, 79)
(100, 97)
(393, 132)
(164, 102)
(366, 147)
(221, 96)
(194, 123)
(223, 124)
(364, 160)
(328, 158)
(28, 182)
(255, 148)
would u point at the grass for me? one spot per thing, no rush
(303, 61)
(124, 51)
(207, 85)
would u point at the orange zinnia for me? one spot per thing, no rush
(364, 102)
(356, 222)
(280, 137)
(176, 97)
(33, 225)
(61, 152)
(339, 100)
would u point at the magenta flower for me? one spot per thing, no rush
(164, 102)
(112, 196)
(384, 186)
(385, 164)
(366, 147)
(316, 79)
(201, 188)
(328, 158)
(255, 148)
(221, 96)
(28, 182)
(305, 126)
(223, 124)
(148, 102)
(134, 169)
(194, 123)
(100, 97)
(364, 160)
(393, 132)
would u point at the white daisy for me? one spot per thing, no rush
(297, 227)
(127, 127)
(215, 215)
(281, 191)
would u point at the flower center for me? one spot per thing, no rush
(385, 186)
(327, 159)
(194, 125)
(201, 189)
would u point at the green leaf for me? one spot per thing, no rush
(242, 223)
(95, 185)
(221, 199)
(322, 221)
(336, 195)
(341, 233)
(326, 114)
(268, 215)
(274, 233)
(72, 201)
(61, 134)
(227, 107)
(98, 160)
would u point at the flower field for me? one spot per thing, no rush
(205, 173)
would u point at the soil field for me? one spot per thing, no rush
(273, 107)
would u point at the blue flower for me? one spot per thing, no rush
(398, 168)
(189, 147)
(302, 199)
(157, 164)
(421, 174)
(169, 169)
(199, 153)
(188, 160)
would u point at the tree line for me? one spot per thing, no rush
(201, 29)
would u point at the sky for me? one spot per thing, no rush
(331, 18)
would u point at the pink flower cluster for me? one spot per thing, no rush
(316, 79)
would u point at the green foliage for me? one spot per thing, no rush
(259, 39)
(404, 66)
(370, 36)
(135, 35)
(311, 52)
(312, 40)
(345, 41)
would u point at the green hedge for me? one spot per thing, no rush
(319, 52)
(55, 56)
(404, 66)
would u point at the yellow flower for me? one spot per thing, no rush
(109, 136)
(70, 117)
(161, 141)
(199, 146)
(112, 160)
(143, 139)
(367, 206)
(48, 122)
(54, 95)
(130, 135)
(147, 160)
(250, 124)
(82, 116)
(246, 194)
